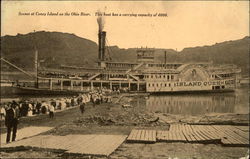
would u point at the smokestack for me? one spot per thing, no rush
(100, 45)
(101, 37)
(103, 45)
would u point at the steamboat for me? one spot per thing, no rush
(145, 75)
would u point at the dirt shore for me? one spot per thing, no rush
(113, 118)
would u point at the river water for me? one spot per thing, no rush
(197, 104)
(183, 104)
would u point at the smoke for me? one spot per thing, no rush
(100, 20)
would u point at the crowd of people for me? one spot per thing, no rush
(30, 108)
(12, 111)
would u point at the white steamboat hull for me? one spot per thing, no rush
(191, 86)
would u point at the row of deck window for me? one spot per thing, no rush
(120, 65)
(218, 87)
(222, 75)
(170, 66)
(159, 85)
(169, 77)
(169, 85)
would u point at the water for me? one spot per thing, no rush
(197, 104)
(182, 104)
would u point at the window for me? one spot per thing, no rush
(151, 76)
(157, 85)
(165, 85)
(153, 85)
(149, 84)
(168, 77)
(169, 85)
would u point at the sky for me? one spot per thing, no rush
(187, 24)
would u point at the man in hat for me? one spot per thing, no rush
(11, 121)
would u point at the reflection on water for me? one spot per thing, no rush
(183, 104)
(198, 104)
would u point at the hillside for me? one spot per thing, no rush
(57, 48)
(229, 52)
(54, 49)
(235, 52)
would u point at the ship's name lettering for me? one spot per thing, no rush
(203, 83)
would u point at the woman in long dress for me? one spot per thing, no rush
(30, 110)
(2, 112)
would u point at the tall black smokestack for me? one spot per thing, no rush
(100, 45)
(103, 46)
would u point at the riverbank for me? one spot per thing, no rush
(116, 116)
(119, 118)
(122, 116)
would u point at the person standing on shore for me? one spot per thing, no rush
(83, 103)
(38, 107)
(51, 111)
(82, 107)
(30, 109)
(11, 121)
(93, 99)
(2, 112)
